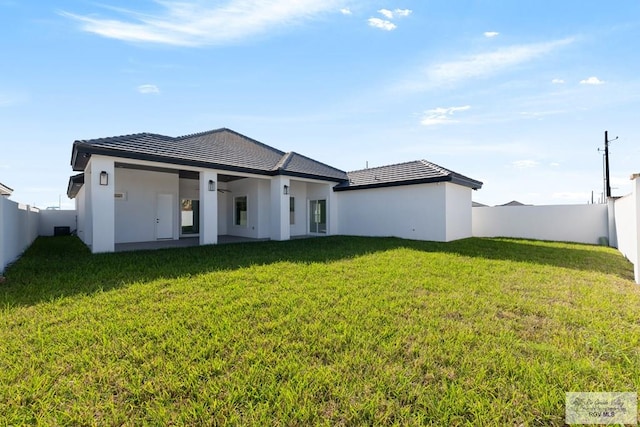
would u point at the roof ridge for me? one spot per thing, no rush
(385, 166)
(191, 135)
(284, 161)
(435, 166)
(129, 135)
(450, 172)
(224, 129)
(316, 161)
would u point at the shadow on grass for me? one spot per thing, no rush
(54, 267)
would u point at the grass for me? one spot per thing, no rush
(331, 331)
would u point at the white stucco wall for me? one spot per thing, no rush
(102, 204)
(18, 229)
(135, 217)
(627, 226)
(458, 212)
(251, 188)
(299, 192)
(569, 223)
(88, 211)
(81, 210)
(264, 209)
(223, 209)
(279, 212)
(410, 211)
(49, 219)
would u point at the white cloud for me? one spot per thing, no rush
(592, 81)
(397, 13)
(441, 115)
(382, 24)
(386, 13)
(204, 23)
(482, 65)
(148, 89)
(554, 164)
(403, 12)
(557, 81)
(491, 34)
(524, 164)
(345, 11)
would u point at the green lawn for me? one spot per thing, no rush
(328, 331)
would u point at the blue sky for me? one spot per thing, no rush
(516, 94)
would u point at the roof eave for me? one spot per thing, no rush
(466, 182)
(394, 183)
(310, 176)
(75, 184)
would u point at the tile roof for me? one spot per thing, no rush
(415, 172)
(4, 190)
(221, 149)
(298, 165)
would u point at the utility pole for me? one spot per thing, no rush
(606, 163)
(607, 182)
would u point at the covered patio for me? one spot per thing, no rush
(185, 242)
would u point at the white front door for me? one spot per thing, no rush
(164, 217)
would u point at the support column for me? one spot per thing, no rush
(208, 207)
(333, 227)
(102, 183)
(280, 227)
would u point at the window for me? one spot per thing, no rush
(240, 211)
(190, 216)
(292, 211)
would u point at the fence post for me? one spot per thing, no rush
(636, 210)
(611, 219)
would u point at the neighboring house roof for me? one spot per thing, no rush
(4, 190)
(416, 172)
(478, 205)
(514, 203)
(218, 149)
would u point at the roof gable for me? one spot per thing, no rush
(408, 173)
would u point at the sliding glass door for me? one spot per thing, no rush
(317, 216)
(190, 216)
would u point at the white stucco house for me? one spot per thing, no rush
(148, 187)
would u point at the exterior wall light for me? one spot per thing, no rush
(104, 178)
(285, 190)
(212, 185)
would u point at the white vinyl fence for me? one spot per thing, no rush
(626, 212)
(18, 229)
(567, 223)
